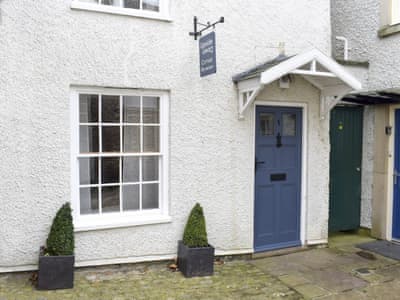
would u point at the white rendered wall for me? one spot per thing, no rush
(367, 167)
(359, 21)
(45, 47)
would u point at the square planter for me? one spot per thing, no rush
(56, 272)
(195, 261)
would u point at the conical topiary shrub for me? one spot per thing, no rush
(61, 237)
(195, 234)
(195, 255)
(56, 261)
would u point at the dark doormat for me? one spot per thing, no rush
(383, 248)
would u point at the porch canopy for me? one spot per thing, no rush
(321, 71)
(388, 96)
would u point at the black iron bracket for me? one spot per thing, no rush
(207, 26)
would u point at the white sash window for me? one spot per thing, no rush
(395, 12)
(153, 9)
(119, 157)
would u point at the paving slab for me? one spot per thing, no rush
(351, 261)
(281, 265)
(351, 295)
(374, 278)
(310, 291)
(335, 280)
(294, 279)
(389, 272)
(387, 291)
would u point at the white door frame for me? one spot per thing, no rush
(304, 161)
(390, 166)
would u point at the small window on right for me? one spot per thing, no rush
(395, 12)
(288, 124)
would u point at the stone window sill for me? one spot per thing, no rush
(90, 224)
(388, 30)
(77, 5)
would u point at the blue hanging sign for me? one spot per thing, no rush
(208, 55)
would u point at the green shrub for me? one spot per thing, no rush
(61, 237)
(195, 234)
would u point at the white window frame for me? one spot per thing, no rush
(395, 12)
(162, 15)
(119, 219)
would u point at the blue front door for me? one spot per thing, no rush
(396, 179)
(277, 177)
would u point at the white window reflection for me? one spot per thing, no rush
(148, 5)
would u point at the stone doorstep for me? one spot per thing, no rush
(281, 252)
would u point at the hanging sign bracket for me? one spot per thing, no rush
(207, 26)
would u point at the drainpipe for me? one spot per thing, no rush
(346, 46)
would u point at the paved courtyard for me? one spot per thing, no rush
(337, 272)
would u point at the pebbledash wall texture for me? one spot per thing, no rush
(47, 48)
(382, 53)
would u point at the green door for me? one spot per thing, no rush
(345, 168)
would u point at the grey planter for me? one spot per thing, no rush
(56, 272)
(195, 261)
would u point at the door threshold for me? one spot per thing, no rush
(279, 252)
(395, 241)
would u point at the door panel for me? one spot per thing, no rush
(396, 179)
(345, 168)
(277, 178)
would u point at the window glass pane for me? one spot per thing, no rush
(288, 124)
(131, 197)
(153, 5)
(151, 110)
(110, 138)
(110, 199)
(395, 12)
(88, 139)
(131, 139)
(110, 170)
(88, 170)
(130, 169)
(132, 4)
(88, 108)
(150, 168)
(151, 139)
(110, 109)
(131, 109)
(150, 196)
(89, 201)
(267, 121)
(109, 2)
